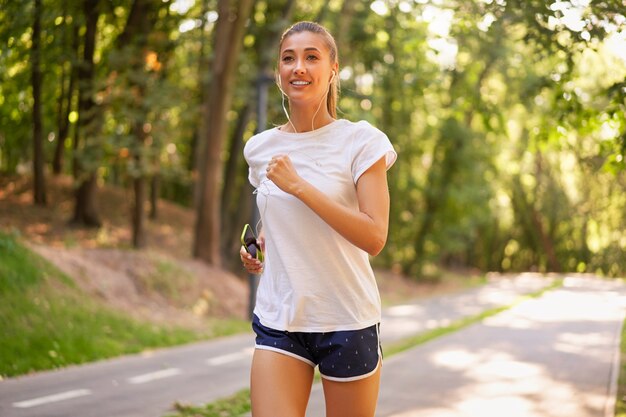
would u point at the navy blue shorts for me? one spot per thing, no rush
(341, 356)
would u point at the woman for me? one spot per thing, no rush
(324, 203)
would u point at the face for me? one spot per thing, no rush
(305, 67)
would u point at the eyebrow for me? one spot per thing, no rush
(311, 48)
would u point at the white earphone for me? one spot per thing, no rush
(279, 82)
(333, 77)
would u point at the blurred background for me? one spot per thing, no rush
(509, 118)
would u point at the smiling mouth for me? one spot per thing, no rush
(300, 82)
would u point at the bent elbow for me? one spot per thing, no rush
(377, 245)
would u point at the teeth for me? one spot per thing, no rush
(300, 83)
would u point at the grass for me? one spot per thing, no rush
(48, 322)
(620, 402)
(235, 405)
(239, 403)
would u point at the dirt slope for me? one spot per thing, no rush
(161, 283)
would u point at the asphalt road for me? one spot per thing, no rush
(147, 385)
(555, 356)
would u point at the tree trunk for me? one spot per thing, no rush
(155, 186)
(139, 233)
(65, 107)
(39, 182)
(141, 21)
(57, 160)
(195, 156)
(86, 210)
(231, 195)
(229, 33)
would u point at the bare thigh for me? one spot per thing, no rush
(352, 399)
(280, 385)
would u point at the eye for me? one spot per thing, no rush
(287, 58)
(311, 57)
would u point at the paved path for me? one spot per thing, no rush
(147, 385)
(548, 357)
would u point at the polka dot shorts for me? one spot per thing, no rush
(341, 356)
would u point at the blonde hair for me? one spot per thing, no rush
(333, 91)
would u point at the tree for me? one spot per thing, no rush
(229, 33)
(141, 21)
(87, 160)
(67, 88)
(39, 182)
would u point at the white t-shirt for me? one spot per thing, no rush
(314, 280)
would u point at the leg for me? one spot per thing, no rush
(280, 385)
(352, 399)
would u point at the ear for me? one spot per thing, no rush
(334, 71)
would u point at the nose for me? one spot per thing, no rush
(300, 68)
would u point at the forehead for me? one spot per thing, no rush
(304, 40)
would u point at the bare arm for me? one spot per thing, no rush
(366, 228)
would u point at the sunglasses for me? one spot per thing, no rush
(249, 242)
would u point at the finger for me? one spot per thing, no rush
(255, 269)
(252, 263)
(243, 254)
(248, 260)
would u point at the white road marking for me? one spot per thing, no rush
(231, 357)
(52, 398)
(165, 373)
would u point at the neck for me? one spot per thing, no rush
(307, 118)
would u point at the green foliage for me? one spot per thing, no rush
(20, 269)
(509, 121)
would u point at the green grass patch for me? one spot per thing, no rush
(48, 322)
(620, 402)
(239, 404)
(21, 269)
(235, 405)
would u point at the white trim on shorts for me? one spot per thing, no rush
(285, 352)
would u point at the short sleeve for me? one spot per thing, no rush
(253, 178)
(370, 145)
(252, 174)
